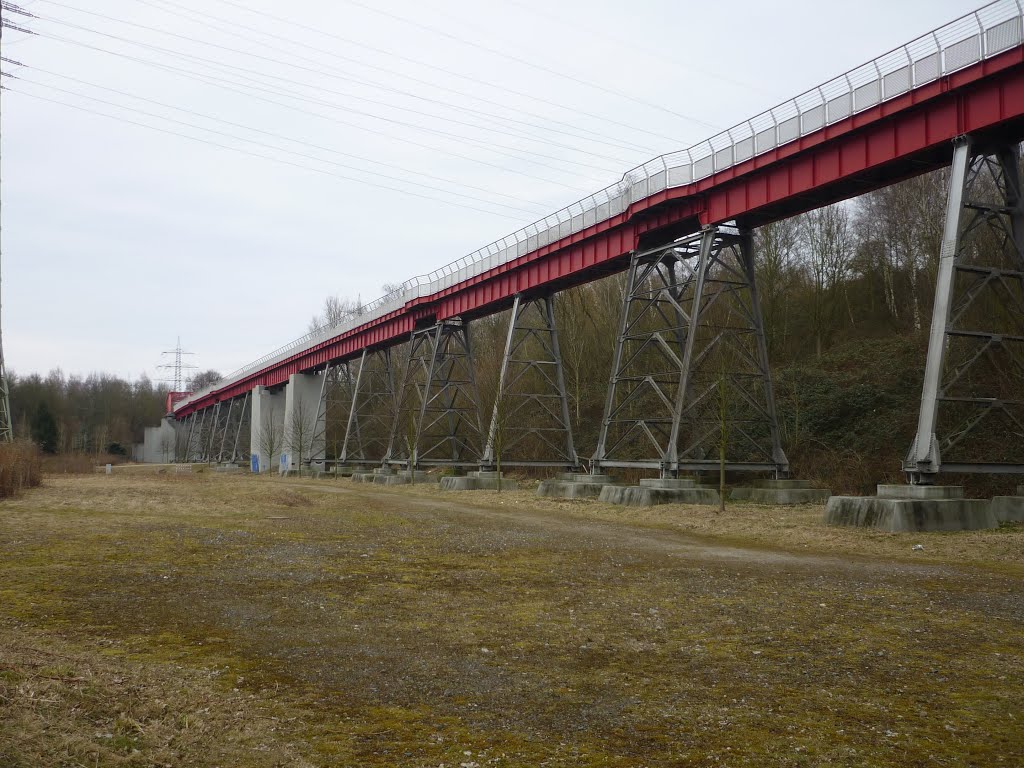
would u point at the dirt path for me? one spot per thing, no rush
(622, 535)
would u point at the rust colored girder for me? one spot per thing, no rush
(896, 139)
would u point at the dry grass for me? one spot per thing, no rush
(71, 703)
(790, 528)
(413, 628)
(19, 468)
(70, 464)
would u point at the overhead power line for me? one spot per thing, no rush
(212, 80)
(622, 41)
(231, 27)
(279, 160)
(264, 145)
(6, 422)
(281, 137)
(309, 70)
(527, 63)
(632, 127)
(489, 146)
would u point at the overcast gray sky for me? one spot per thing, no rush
(481, 117)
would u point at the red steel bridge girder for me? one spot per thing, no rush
(893, 140)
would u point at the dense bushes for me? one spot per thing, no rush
(20, 467)
(848, 417)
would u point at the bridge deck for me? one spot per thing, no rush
(892, 118)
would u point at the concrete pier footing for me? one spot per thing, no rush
(1009, 509)
(484, 480)
(389, 476)
(781, 492)
(574, 485)
(651, 491)
(368, 475)
(405, 477)
(899, 508)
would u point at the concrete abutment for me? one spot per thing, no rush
(904, 508)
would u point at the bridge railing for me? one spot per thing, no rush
(994, 28)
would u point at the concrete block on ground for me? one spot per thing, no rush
(789, 496)
(649, 495)
(391, 480)
(785, 484)
(781, 492)
(403, 477)
(1009, 509)
(740, 494)
(583, 477)
(668, 482)
(478, 481)
(923, 508)
(570, 489)
(920, 491)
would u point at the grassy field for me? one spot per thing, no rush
(206, 620)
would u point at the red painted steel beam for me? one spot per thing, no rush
(896, 139)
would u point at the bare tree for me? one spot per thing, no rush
(203, 379)
(775, 264)
(335, 311)
(298, 432)
(587, 319)
(269, 438)
(829, 243)
(900, 229)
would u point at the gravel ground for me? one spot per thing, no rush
(411, 627)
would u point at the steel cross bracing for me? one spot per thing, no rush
(318, 435)
(972, 402)
(690, 369)
(372, 409)
(183, 438)
(208, 433)
(218, 434)
(218, 425)
(530, 423)
(231, 441)
(333, 412)
(198, 435)
(438, 416)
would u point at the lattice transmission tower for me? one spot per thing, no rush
(6, 427)
(177, 379)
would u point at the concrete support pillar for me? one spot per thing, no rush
(266, 427)
(159, 443)
(304, 422)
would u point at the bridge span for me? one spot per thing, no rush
(681, 226)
